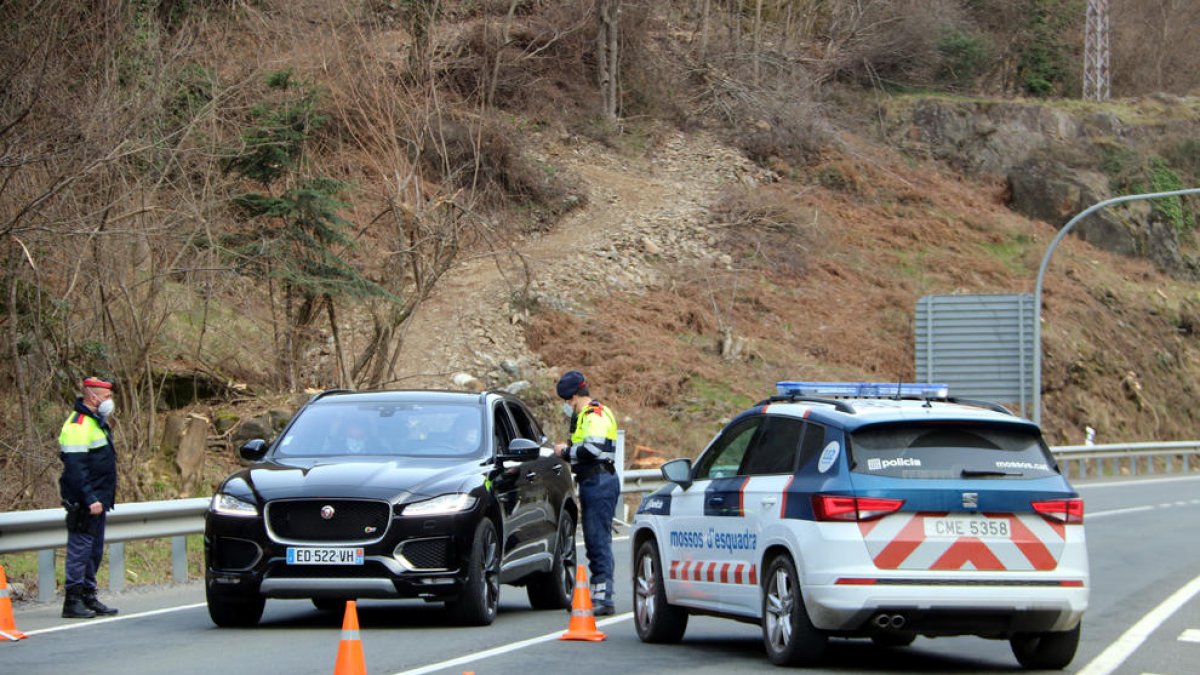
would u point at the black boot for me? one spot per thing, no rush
(94, 604)
(74, 607)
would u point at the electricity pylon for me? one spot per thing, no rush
(1097, 81)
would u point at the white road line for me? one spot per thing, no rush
(496, 651)
(1110, 659)
(1127, 483)
(98, 622)
(1190, 635)
(1117, 512)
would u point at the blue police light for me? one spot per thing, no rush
(863, 389)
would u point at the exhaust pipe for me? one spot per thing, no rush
(889, 621)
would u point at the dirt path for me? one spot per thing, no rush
(639, 211)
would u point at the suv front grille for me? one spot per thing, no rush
(352, 520)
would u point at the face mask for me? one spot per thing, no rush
(355, 444)
(567, 410)
(105, 408)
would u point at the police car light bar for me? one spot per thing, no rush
(863, 389)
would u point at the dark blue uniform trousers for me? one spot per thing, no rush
(85, 550)
(598, 495)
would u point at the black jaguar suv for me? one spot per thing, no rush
(442, 496)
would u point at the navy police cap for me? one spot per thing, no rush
(570, 384)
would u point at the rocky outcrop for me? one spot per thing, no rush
(1046, 153)
(1056, 193)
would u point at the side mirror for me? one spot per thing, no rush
(253, 450)
(520, 450)
(678, 471)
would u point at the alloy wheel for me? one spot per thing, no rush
(645, 593)
(781, 598)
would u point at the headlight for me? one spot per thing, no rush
(451, 503)
(228, 505)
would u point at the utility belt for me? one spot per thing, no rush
(586, 471)
(79, 517)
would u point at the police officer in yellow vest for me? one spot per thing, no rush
(89, 488)
(592, 454)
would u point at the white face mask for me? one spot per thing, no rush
(567, 410)
(355, 444)
(106, 408)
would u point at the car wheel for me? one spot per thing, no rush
(788, 634)
(554, 589)
(656, 620)
(330, 604)
(894, 639)
(477, 604)
(1045, 651)
(234, 612)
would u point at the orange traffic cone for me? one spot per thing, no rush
(8, 627)
(350, 653)
(583, 622)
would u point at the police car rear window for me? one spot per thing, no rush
(952, 450)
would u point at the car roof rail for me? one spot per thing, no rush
(840, 406)
(327, 392)
(979, 403)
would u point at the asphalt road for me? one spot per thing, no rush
(1144, 618)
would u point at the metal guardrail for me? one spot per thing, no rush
(44, 531)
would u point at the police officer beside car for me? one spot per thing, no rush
(592, 454)
(88, 487)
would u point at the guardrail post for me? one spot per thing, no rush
(179, 567)
(116, 567)
(47, 576)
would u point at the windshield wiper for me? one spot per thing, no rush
(977, 473)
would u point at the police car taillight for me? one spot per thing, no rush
(1068, 511)
(839, 507)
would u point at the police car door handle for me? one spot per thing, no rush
(769, 501)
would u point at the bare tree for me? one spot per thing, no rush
(608, 56)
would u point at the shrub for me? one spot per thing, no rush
(964, 56)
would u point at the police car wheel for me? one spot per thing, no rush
(480, 596)
(234, 612)
(554, 589)
(655, 619)
(788, 634)
(1045, 651)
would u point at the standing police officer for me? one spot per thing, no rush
(89, 488)
(592, 453)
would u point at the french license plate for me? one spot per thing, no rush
(952, 527)
(324, 556)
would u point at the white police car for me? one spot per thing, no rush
(884, 511)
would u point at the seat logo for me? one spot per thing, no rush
(970, 500)
(327, 512)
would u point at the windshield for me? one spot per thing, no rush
(389, 429)
(951, 450)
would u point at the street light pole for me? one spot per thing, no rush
(1037, 294)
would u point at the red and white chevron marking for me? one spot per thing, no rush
(715, 572)
(899, 542)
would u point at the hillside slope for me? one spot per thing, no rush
(693, 281)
